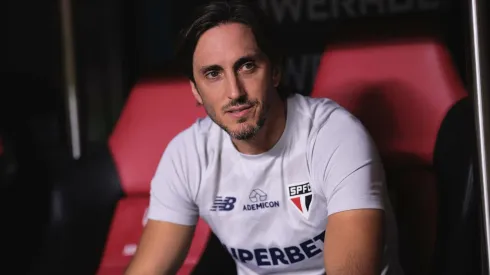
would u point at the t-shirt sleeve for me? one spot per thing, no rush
(347, 165)
(171, 197)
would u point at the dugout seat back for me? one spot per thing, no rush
(98, 207)
(154, 114)
(408, 95)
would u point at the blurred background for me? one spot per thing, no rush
(117, 44)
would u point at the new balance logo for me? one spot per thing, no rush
(223, 204)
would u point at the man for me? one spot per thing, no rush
(289, 184)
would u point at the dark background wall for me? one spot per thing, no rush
(119, 42)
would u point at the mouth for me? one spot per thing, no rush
(239, 111)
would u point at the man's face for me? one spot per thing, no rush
(233, 79)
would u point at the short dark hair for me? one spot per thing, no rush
(220, 12)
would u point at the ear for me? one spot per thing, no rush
(276, 76)
(195, 92)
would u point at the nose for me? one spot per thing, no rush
(235, 87)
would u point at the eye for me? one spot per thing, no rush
(249, 66)
(212, 74)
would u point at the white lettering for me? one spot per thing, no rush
(293, 7)
(314, 14)
(378, 3)
(299, 189)
(398, 6)
(348, 6)
(322, 10)
(302, 189)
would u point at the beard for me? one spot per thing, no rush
(245, 130)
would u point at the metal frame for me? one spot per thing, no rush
(71, 98)
(480, 89)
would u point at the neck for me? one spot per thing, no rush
(270, 133)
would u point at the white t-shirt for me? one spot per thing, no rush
(270, 210)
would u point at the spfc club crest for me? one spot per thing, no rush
(300, 196)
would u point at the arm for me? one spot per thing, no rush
(162, 248)
(354, 234)
(346, 161)
(172, 213)
(353, 243)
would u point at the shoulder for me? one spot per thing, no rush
(317, 110)
(328, 121)
(339, 137)
(185, 159)
(342, 126)
(188, 152)
(194, 139)
(344, 163)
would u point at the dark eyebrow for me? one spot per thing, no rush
(244, 59)
(209, 68)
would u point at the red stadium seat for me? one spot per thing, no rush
(408, 95)
(154, 114)
(98, 209)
